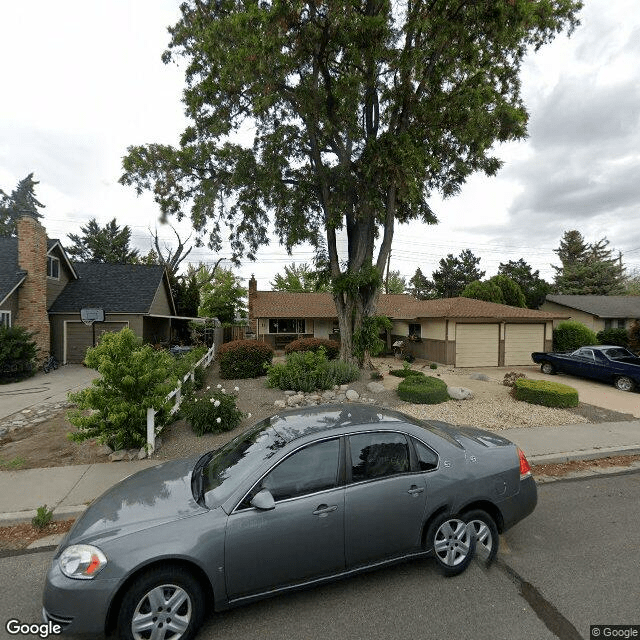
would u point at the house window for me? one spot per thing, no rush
(614, 323)
(286, 325)
(415, 330)
(5, 319)
(53, 267)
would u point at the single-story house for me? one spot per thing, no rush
(596, 312)
(457, 331)
(44, 292)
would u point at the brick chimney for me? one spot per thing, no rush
(32, 296)
(253, 292)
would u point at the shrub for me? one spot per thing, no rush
(331, 347)
(433, 365)
(42, 518)
(310, 371)
(405, 373)
(244, 359)
(618, 337)
(134, 377)
(213, 414)
(423, 390)
(549, 394)
(17, 354)
(511, 377)
(571, 335)
(634, 336)
(376, 375)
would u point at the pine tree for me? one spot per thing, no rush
(455, 274)
(420, 286)
(22, 200)
(103, 244)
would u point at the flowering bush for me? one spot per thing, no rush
(212, 412)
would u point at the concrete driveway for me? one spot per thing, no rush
(44, 388)
(592, 392)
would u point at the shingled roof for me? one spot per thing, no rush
(601, 306)
(280, 304)
(117, 288)
(10, 275)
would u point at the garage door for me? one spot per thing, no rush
(477, 345)
(80, 337)
(520, 340)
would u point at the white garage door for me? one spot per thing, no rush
(477, 345)
(520, 340)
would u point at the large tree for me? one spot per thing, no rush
(420, 286)
(102, 244)
(359, 111)
(299, 278)
(22, 200)
(222, 295)
(455, 273)
(394, 282)
(534, 288)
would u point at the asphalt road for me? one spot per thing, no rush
(573, 563)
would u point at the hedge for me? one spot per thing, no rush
(423, 390)
(549, 394)
(244, 359)
(571, 335)
(331, 347)
(405, 373)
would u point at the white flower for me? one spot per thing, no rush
(236, 388)
(216, 403)
(208, 388)
(248, 415)
(219, 386)
(211, 400)
(218, 420)
(223, 391)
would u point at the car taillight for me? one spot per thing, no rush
(525, 467)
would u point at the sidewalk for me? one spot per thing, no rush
(68, 490)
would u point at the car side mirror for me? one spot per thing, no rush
(263, 500)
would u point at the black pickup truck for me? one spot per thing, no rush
(609, 363)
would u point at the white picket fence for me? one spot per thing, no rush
(175, 395)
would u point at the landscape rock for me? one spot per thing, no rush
(352, 395)
(480, 376)
(118, 456)
(460, 393)
(104, 450)
(376, 387)
(280, 404)
(142, 454)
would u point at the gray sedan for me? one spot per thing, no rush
(303, 497)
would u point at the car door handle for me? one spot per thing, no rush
(324, 510)
(415, 490)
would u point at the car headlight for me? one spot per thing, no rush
(82, 561)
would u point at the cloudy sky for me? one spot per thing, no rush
(82, 80)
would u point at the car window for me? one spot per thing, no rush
(427, 458)
(308, 470)
(375, 455)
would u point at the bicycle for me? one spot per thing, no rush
(50, 363)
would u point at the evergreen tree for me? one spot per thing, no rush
(102, 244)
(420, 286)
(511, 291)
(534, 288)
(22, 200)
(455, 274)
(487, 291)
(298, 279)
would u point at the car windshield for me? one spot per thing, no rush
(234, 462)
(615, 354)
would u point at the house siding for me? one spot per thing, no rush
(161, 304)
(55, 286)
(588, 320)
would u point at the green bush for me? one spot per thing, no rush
(406, 373)
(310, 371)
(17, 354)
(634, 337)
(433, 365)
(618, 337)
(244, 359)
(331, 347)
(134, 377)
(571, 335)
(423, 390)
(211, 414)
(549, 394)
(42, 518)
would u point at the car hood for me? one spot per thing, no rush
(145, 499)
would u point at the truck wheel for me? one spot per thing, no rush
(548, 368)
(624, 384)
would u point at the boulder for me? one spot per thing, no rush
(280, 404)
(376, 387)
(460, 393)
(352, 395)
(480, 376)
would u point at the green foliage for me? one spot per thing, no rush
(103, 244)
(634, 337)
(571, 335)
(405, 372)
(22, 200)
(420, 286)
(394, 282)
(244, 359)
(534, 288)
(511, 292)
(548, 394)
(367, 339)
(15, 463)
(487, 291)
(42, 518)
(454, 274)
(331, 347)
(299, 279)
(376, 375)
(310, 371)
(619, 337)
(350, 282)
(223, 297)
(423, 390)
(17, 354)
(433, 365)
(133, 378)
(212, 413)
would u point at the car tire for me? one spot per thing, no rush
(624, 383)
(452, 544)
(162, 586)
(486, 532)
(548, 368)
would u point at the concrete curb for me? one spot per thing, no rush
(585, 454)
(20, 517)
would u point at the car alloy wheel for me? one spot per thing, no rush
(624, 384)
(547, 368)
(453, 544)
(487, 536)
(163, 604)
